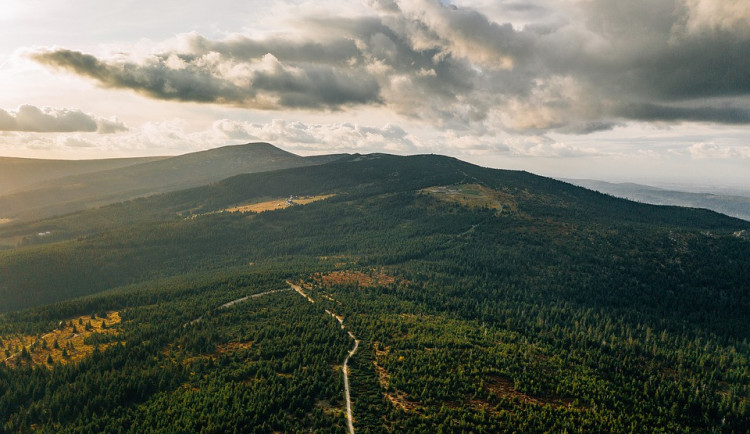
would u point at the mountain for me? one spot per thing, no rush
(731, 205)
(428, 293)
(23, 173)
(92, 189)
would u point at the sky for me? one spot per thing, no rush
(651, 91)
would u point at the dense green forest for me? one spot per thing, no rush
(518, 304)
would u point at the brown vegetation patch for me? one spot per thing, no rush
(504, 388)
(280, 203)
(398, 398)
(358, 278)
(227, 348)
(474, 196)
(62, 345)
(401, 400)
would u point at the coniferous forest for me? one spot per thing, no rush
(481, 301)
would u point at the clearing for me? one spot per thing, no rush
(358, 278)
(281, 203)
(474, 196)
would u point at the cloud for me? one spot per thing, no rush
(212, 77)
(543, 146)
(179, 135)
(342, 137)
(110, 126)
(717, 15)
(720, 114)
(568, 66)
(46, 120)
(74, 142)
(705, 150)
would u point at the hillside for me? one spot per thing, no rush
(24, 173)
(92, 189)
(479, 300)
(731, 205)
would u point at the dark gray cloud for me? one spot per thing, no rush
(654, 112)
(33, 119)
(210, 77)
(338, 51)
(583, 66)
(156, 79)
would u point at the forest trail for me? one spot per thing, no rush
(233, 302)
(346, 384)
(240, 300)
(347, 394)
(340, 319)
(301, 292)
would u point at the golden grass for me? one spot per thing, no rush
(69, 337)
(474, 196)
(5, 220)
(272, 205)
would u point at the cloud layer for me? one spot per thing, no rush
(573, 66)
(30, 118)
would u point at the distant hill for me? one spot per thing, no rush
(24, 173)
(351, 174)
(92, 189)
(731, 205)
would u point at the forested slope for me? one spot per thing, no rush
(485, 301)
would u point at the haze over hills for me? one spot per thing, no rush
(96, 188)
(24, 173)
(731, 205)
(460, 298)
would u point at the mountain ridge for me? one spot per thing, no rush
(17, 174)
(81, 191)
(351, 178)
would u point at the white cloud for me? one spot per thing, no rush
(543, 146)
(710, 150)
(336, 137)
(48, 120)
(717, 15)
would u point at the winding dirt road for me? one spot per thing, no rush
(340, 319)
(346, 384)
(233, 302)
(240, 300)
